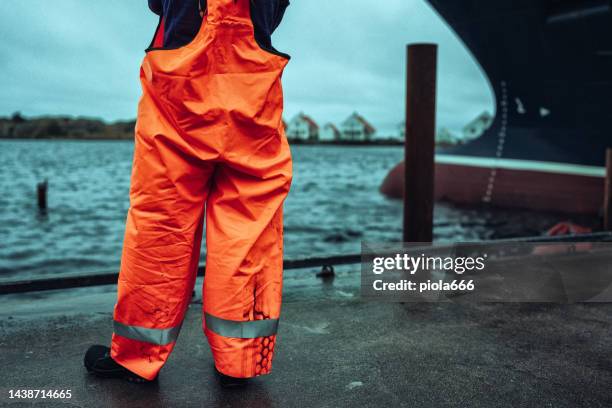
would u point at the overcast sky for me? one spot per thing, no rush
(82, 57)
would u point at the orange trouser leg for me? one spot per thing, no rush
(161, 248)
(244, 263)
(209, 123)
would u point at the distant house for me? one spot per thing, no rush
(330, 133)
(477, 127)
(444, 137)
(302, 127)
(356, 128)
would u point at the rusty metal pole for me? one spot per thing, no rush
(420, 142)
(608, 192)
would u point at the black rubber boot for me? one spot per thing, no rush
(99, 362)
(231, 382)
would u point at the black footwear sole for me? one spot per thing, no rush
(110, 369)
(119, 374)
(231, 382)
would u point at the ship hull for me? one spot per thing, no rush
(570, 189)
(549, 65)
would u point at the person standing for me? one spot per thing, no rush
(209, 145)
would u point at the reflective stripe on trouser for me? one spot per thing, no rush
(160, 337)
(209, 144)
(241, 330)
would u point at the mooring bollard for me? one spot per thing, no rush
(608, 192)
(420, 142)
(327, 272)
(41, 189)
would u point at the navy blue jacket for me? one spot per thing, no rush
(182, 19)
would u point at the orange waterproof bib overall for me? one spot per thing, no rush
(209, 142)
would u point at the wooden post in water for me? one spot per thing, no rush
(41, 190)
(420, 142)
(608, 192)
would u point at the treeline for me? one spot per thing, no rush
(63, 127)
(66, 127)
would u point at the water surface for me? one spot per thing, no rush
(333, 205)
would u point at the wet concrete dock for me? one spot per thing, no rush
(335, 350)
